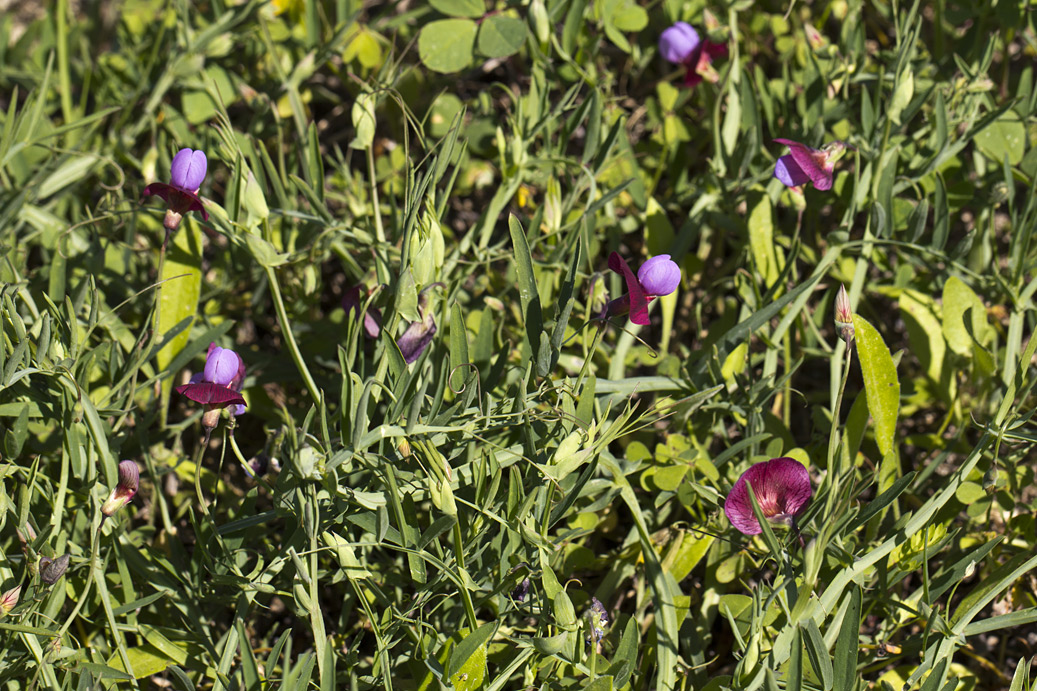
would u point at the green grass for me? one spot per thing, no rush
(370, 523)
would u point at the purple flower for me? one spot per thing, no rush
(186, 175)
(129, 481)
(681, 45)
(419, 334)
(677, 43)
(781, 487)
(217, 386)
(352, 304)
(805, 164)
(657, 277)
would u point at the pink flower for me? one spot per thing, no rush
(186, 174)
(129, 481)
(805, 164)
(217, 386)
(658, 276)
(781, 487)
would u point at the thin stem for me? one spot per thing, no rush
(466, 597)
(95, 545)
(286, 329)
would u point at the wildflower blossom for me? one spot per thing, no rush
(186, 174)
(129, 481)
(419, 334)
(681, 45)
(805, 164)
(217, 386)
(781, 487)
(657, 277)
(352, 304)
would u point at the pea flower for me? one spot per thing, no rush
(419, 334)
(657, 277)
(217, 386)
(681, 45)
(53, 569)
(186, 174)
(805, 164)
(9, 600)
(844, 316)
(782, 489)
(129, 481)
(352, 304)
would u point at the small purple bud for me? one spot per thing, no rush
(659, 275)
(677, 43)
(222, 366)
(188, 169)
(129, 482)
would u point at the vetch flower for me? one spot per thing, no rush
(53, 569)
(658, 276)
(352, 304)
(217, 386)
(598, 619)
(781, 487)
(9, 600)
(419, 334)
(844, 315)
(129, 481)
(805, 164)
(186, 175)
(681, 45)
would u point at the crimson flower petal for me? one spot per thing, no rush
(781, 486)
(638, 299)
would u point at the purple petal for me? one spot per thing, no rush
(638, 299)
(781, 486)
(659, 275)
(678, 42)
(372, 317)
(416, 338)
(788, 171)
(188, 169)
(222, 366)
(810, 161)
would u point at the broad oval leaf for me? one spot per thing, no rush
(460, 8)
(959, 304)
(881, 385)
(446, 45)
(501, 36)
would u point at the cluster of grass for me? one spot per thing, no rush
(537, 500)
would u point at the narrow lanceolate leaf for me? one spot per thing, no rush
(847, 645)
(527, 285)
(880, 382)
(181, 288)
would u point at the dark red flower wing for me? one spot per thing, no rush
(180, 201)
(211, 394)
(638, 299)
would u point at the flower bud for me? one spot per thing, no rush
(9, 600)
(129, 481)
(843, 315)
(540, 21)
(53, 569)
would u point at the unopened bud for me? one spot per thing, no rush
(404, 448)
(814, 37)
(843, 315)
(9, 599)
(540, 21)
(129, 481)
(53, 569)
(172, 220)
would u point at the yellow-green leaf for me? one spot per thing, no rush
(881, 385)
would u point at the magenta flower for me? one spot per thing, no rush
(657, 277)
(681, 45)
(129, 481)
(217, 386)
(805, 164)
(419, 334)
(352, 304)
(782, 489)
(186, 175)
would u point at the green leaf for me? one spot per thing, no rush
(902, 96)
(761, 240)
(469, 657)
(1006, 136)
(880, 382)
(460, 8)
(446, 45)
(263, 252)
(181, 289)
(363, 121)
(528, 293)
(959, 304)
(501, 36)
(848, 644)
(629, 16)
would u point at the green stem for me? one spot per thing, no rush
(286, 329)
(466, 597)
(95, 546)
